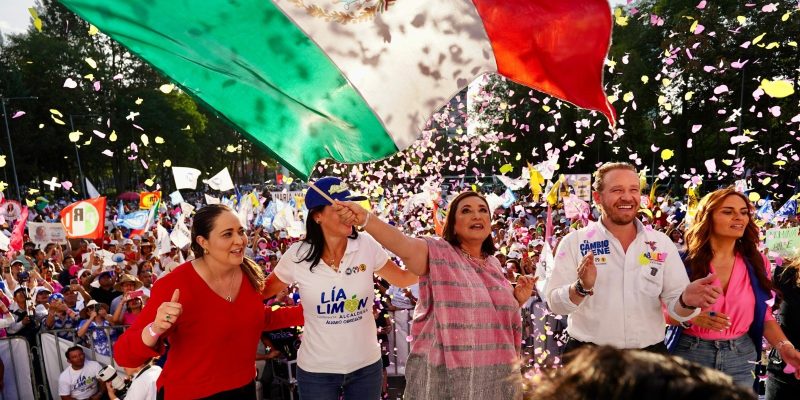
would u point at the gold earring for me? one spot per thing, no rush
(205, 251)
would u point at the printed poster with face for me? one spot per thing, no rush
(43, 233)
(581, 185)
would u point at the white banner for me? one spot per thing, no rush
(43, 233)
(286, 196)
(14, 353)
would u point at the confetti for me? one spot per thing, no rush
(778, 88)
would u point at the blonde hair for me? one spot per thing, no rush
(600, 175)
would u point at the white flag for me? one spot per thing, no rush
(211, 199)
(175, 197)
(180, 235)
(92, 191)
(186, 209)
(221, 181)
(4, 242)
(185, 178)
(163, 239)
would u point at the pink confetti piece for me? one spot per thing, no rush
(721, 89)
(739, 64)
(117, 77)
(771, 7)
(18, 114)
(144, 164)
(699, 29)
(711, 166)
(67, 185)
(99, 134)
(108, 153)
(96, 86)
(696, 128)
(701, 5)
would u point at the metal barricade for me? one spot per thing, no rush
(18, 377)
(399, 346)
(287, 383)
(52, 345)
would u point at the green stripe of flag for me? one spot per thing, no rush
(249, 62)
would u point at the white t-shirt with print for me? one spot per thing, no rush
(339, 335)
(80, 384)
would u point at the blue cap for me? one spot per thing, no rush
(334, 188)
(56, 296)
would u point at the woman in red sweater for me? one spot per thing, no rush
(204, 309)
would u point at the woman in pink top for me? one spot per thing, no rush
(724, 241)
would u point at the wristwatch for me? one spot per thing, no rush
(581, 290)
(684, 305)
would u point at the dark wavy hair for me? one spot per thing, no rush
(449, 229)
(698, 238)
(604, 372)
(315, 239)
(203, 224)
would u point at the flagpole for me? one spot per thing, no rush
(321, 193)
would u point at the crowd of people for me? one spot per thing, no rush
(493, 289)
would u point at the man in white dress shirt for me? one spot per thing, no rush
(612, 276)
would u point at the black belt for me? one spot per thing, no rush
(246, 392)
(574, 344)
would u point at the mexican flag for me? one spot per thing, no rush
(356, 80)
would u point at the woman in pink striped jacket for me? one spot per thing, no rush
(467, 327)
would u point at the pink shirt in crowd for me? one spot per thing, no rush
(738, 302)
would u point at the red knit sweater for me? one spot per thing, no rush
(213, 344)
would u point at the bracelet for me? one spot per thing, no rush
(151, 331)
(684, 305)
(366, 221)
(581, 290)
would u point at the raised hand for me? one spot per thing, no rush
(350, 213)
(587, 271)
(168, 313)
(702, 293)
(524, 288)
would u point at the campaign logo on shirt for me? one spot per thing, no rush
(84, 383)
(599, 248)
(339, 308)
(652, 257)
(356, 269)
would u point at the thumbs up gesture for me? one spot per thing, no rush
(702, 293)
(168, 313)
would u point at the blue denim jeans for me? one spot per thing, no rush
(733, 357)
(361, 384)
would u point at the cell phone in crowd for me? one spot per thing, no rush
(73, 281)
(135, 294)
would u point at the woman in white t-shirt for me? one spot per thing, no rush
(333, 267)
